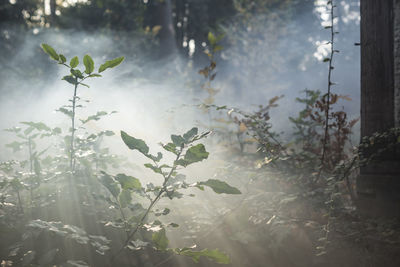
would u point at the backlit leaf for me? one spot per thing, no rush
(111, 64)
(89, 64)
(50, 51)
(134, 143)
(220, 187)
(128, 182)
(74, 62)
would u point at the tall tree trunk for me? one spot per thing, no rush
(378, 185)
(161, 15)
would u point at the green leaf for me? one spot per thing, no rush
(194, 154)
(89, 64)
(40, 126)
(84, 84)
(70, 79)
(177, 140)
(218, 48)
(77, 73)
(65, 111)
(50, 51)
(171, 148)
(62, 58)
(214, 255)
(110, 184)
(160, 239)
(154, 168)
(125, 198)
(190, 134)
(95, 117)
(128, 182)
(220, 187)
(211, 39)
(111, 64)
(134, 143)
(94, 75)
(74, 62)
(16, 146)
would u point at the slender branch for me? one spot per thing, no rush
(328, 94)
(153, 202)
(30, 154)
(72, 148)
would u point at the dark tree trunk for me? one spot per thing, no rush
(378, 185)
(161, 15)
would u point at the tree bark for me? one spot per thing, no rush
(378, 185)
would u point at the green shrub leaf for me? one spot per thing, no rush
(190, 134)
(154, 168)
(160, 239)
(77, 73)
(89, 64)
(220, 187)
(171, 148)
(128, 182)
(177, 140)
(111, 64)
(194, 154)
(214, 255)
(125, 198)
(62, 58)
(134, 143)
(50, 51)
(70, 79)
(74, 62)
(110, 184)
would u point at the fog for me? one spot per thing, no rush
(154, 98)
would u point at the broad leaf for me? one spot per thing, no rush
(125, 198)
(50, 51)
(89, 64)
(171, 148)
(190, 134)
(154, 168)
(160, 239)
(40, 126)
(220, 187)
(214, 255)
(110, 184)
(134, 143)
(128, 182)
(177, 140)
(211, 39)
(111, 64)
(70, 79)
(62, 58)
(194, 154)
(74, 62)
(77, 73)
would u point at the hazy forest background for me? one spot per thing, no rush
(238, 88)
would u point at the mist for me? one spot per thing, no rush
(273, 54)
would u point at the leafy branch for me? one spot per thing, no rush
(76, 78)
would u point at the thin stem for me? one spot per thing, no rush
(72, 148)
(328, 95)
(31, 167)
(30, 154)
(153, 202)
(20, 202)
